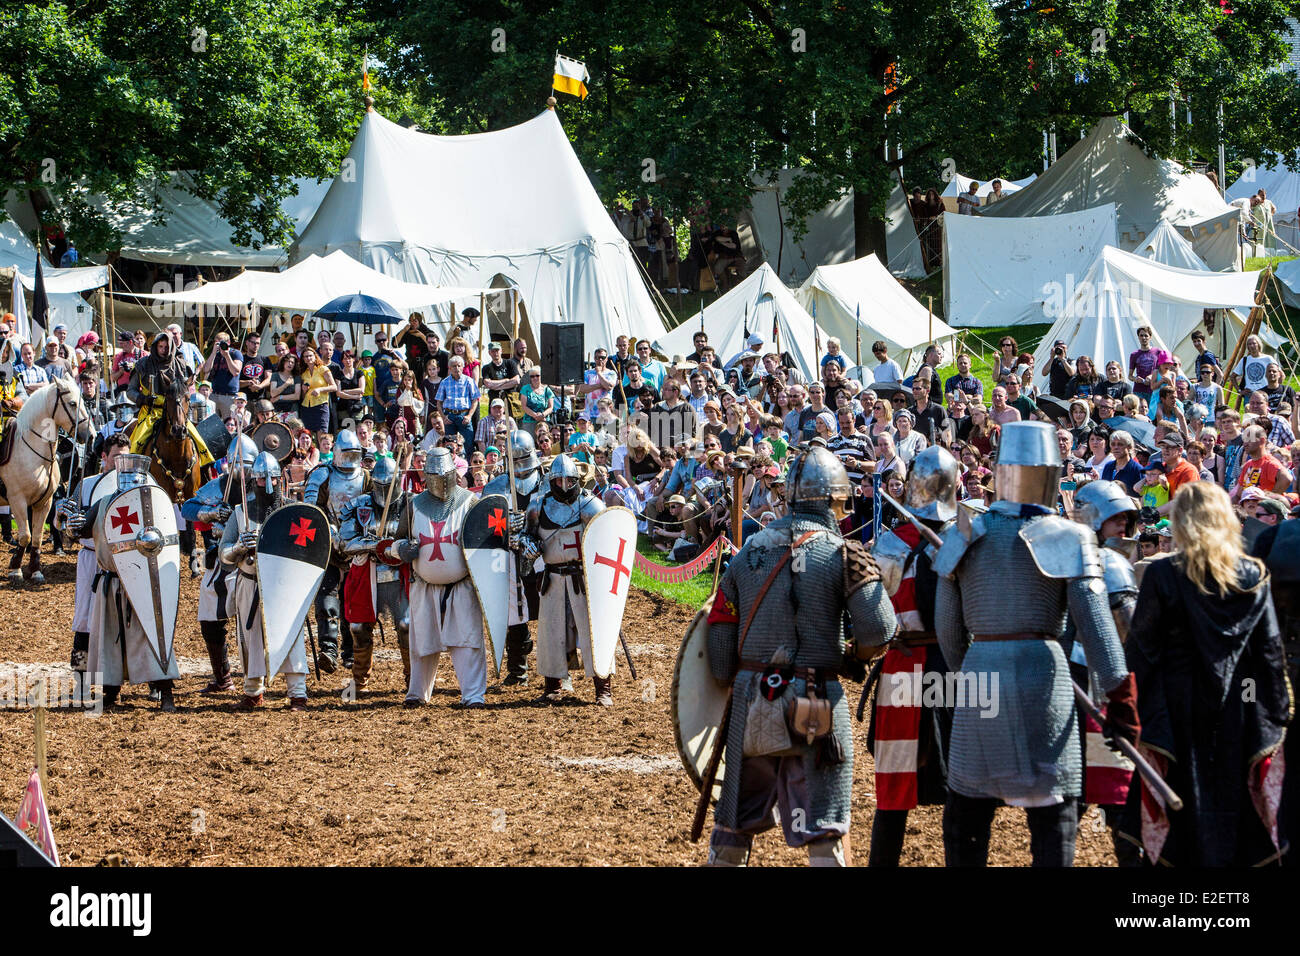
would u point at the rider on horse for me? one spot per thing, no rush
(154, 377)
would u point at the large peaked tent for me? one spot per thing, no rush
(467, 210)
(759, 302)
(1124, 291)
(828, 236)
(1106, 167)
(840, 293)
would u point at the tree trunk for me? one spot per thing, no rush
(868, 231)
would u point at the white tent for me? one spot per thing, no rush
(193, 231)
(960, 184)
(840, 293)
(18, 261)
(1282, 187)
(902, 244)
(760, 301)
(513, 204)
(1123, 291)
(1106, 167)
(1007, 271)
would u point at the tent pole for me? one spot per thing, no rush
(112, 312)
(482, 316)
(929, 307)
(514, 316)
(1250, 328)
(103, 333)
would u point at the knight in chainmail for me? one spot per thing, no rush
(524, 579)
(445, 613)
(330, 486)
(156, 375)
(1007, 582)
(212, 505)
(119, 649)
(375, 586)
(555, 523)
(776, 633)
(1105, 508)
(239, 551)
(909, 729)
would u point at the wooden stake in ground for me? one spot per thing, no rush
(39, 714)
(737, 506)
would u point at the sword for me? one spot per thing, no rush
(626, 653)
(1149, 773)
(243, 479)
(311, 635)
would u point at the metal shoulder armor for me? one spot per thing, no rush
(589, 507)
(533, 516)
(315, 478)
(1061, 548)
(955, 544)
(890, 553)
(500, 485)
(1117, 573)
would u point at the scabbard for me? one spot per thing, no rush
(711, 770)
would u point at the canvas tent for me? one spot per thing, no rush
(1282, 187)
(62, 286)
(464, 211)
(760, 302)
(960, 184)
(193, 231)
(1123, 291)
(840, 293)
(1004, 271)
(1106, 167)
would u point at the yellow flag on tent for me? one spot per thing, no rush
(571, 76)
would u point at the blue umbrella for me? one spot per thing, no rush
(360, 309)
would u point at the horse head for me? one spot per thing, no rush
(176, 410)
(69, 411)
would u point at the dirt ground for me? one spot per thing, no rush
(374, 783)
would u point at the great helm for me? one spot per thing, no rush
(563, 478)
(265, 466)
(932, 485)
(382, 477)
(524, 452)
(1099, 501)
(347, 451)
(132, 471)
(818, 481)
(1028, 469)
(242, 452)
(440, 473)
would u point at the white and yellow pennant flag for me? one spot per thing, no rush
(571, 76)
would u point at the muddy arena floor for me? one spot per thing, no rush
(370, 782)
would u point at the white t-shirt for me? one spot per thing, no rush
(887, 371)
(1253, 367)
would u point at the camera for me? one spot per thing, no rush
(224, 346)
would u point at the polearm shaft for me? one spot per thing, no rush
(1086, 703)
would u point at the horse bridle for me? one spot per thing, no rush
(76, 420)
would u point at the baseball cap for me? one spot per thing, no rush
(51, 341)
(754, 339)
(1272, 506)
(202, 382)
(491, 450)
(60, 326)
(1058, 342)
(124, 336)
(1173, 440)
(497, 401)
(494, 346)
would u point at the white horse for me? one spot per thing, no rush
(32, 473)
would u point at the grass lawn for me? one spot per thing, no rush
(692, 593)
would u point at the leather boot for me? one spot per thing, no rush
(214, 639)
(405, 651)
(551, 691)
(110, 695)
(517, 648)
(604, 695)
(168, 704)
(361, 658)
(298, 704)
(246, 703)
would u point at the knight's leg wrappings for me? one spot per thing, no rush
(729, 848)
(296, 685)
(887, 832)
(1052, 832)
(363, 646)
(828, 852)
(252, 686)
(966, 825)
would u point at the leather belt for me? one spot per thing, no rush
(917, 638)
(569, 567)
(1018, 636)
(803, 673)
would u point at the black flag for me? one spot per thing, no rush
(40, 302)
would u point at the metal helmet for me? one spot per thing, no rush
(347, 451)
(931, 491)
(1099, 501)
(132, 471)
(266, 466)
(817, 481)
(1028, 469)
(440, 473)
(382, 477)
(122, 410)
(524, 451)
(242, 452)
(563, 478)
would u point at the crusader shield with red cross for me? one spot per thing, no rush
(139, 530)
(485, 537)
(608, 551)
(293, 550)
